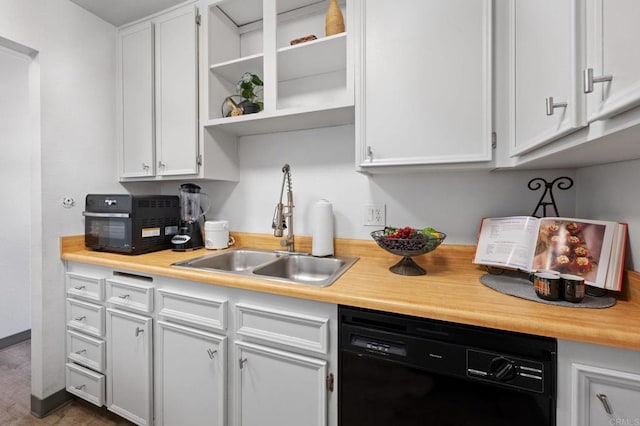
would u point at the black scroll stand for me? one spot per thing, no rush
(563, 183)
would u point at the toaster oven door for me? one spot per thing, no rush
(108, 231)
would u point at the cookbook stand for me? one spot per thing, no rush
(563, 183)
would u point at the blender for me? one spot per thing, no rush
(189, 235)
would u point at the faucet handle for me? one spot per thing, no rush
(278, 223)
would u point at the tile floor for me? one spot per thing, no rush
(15, 396)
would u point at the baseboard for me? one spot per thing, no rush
(43, 407)
(5, 342)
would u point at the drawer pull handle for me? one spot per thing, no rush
(80, 387)
(605, 403)
(81, 351)
(243, 361)
(80, 287)
(124, 296)
(139, 330)
(211, 353)
(82, 318)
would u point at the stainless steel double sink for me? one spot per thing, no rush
(280, 266)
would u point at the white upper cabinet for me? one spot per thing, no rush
(159, 102)
(135, 72)
(157, 96)
(306, 85)
(612, 43)
(176, 54)
(545, 71)
(424, 93)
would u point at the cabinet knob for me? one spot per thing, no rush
(145, 166)
(80, 387)
(81, 351)
(589, 79)
(80, 287)
(211, 353)
(139, 330)
(124, 296)
(82, 318)
(551, 105)
(161, 164)
(242, 362)
(605, 403)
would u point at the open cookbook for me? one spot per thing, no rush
(593, 249)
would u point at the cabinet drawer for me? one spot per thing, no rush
(288, 329)
(130, 296)
(86, 287)
(86, 384)
(86, 350)
(86, 317)
(200, 312)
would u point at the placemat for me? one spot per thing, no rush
(516, 284)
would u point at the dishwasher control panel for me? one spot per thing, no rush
(505, 369)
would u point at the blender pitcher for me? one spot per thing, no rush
(189, 235)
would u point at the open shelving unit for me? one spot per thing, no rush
(306, 85)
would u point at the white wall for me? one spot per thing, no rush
(322, 166)
(611, 192)
(74, 82)
(15, 184)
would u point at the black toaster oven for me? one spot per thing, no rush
(131, 224)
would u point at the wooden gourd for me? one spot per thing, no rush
(334, 22)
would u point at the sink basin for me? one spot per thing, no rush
(231, 261)
(304, 269)
(280, 266)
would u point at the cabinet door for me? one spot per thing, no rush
(129, 366)
(176, 92)
(424, 95)
(612, 35)
(277, 388)
(604, 397)
(135, 93)
(191, 376)
(545, 70)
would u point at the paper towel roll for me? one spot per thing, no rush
(322, 235)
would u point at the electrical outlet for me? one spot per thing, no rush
(375, 215)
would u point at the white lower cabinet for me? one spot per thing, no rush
(85, 344)
(279, 388)
(129, 366)
(191, 376)
(603, 396)
(597, 385)
(162, 351)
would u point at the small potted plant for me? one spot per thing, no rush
(248, 86)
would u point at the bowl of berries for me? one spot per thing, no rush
(408, 242)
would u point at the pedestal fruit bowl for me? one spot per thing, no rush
(408, 242)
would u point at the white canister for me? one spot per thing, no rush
(216, 234)
(322, 229)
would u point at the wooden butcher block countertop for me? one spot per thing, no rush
(450, 290)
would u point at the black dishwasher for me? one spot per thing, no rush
(401, 370)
